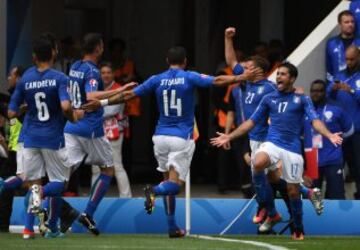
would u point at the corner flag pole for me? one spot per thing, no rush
(187, 205)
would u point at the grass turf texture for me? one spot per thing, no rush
(162, 242)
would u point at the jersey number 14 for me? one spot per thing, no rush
(175, 103)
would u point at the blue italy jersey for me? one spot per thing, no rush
(286, 112)
(349, 101)
(44, 120)
(335, 56)
(252, 96)
(236, 104)
(336, 120)
(85, 78)
(174, 90)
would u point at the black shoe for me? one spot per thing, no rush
(67, 221)
(178, 233)
(89, 223)
(149, 199)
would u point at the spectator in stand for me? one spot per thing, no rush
(345, 89)
(114, 120)
(337, 45)
(330, 158)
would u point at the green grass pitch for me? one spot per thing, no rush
(162, 242)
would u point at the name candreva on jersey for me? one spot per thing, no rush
(40, 84)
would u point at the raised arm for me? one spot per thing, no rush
(230, 55)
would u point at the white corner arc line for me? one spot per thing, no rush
(249, 242)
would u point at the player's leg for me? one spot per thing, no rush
(265, 156)
(16, 181)
(34, 167)
(58, 170)
(261, 212)
(292, 173)
(174, 157)
(100, 153)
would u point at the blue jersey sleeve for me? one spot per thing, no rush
(92, 81)
(262, 111)
(146, 88)
(17, 97)
(309, 108)
(238, 69)
(200, 80)
(63, 89)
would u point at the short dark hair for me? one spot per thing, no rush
(106, 64)
(176, 55)
(293, 72)
(344, 13)
(319, 81)
(261, 62)
(42, 49)
(90, 41)
(51, 38)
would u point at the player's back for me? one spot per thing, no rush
(84, 78)
(43, 93)
(174, 90)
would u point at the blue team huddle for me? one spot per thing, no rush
(63, 128)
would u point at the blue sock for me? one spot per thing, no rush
(264, 192)
(169, 206)
(54, 188)
(270, 202)
(98, 191)
(167, 188)
(305, 192)
(297, 212)
(54, 209)
(29, 217)
(13, 182)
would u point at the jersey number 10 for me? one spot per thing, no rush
(175, 103)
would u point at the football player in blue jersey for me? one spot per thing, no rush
(86, 138)
(255, 90)
(173, 138)
(286, 110)
(44, 90)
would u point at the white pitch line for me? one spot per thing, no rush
(249, 242)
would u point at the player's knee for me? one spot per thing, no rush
(261, 161)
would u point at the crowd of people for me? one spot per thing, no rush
(66, 113)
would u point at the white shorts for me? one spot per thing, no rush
(98, 150)
(172, 151)
(254, 146)
(292, 163)
(37, 161)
